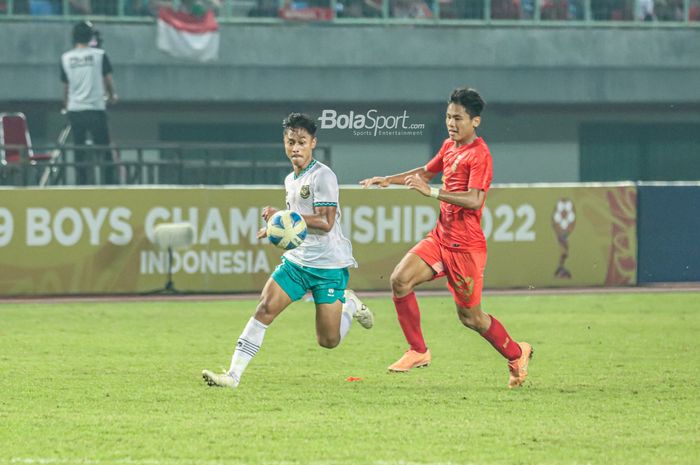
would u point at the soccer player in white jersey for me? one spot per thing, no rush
(320, 264)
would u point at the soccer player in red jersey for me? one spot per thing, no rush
(456, 247)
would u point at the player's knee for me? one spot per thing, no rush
(264, 313)
(474, 319)
(328, 342)
(400, 284)
(467, 320)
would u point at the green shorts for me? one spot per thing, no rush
(326, 284)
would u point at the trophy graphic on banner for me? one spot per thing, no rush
(563, 223)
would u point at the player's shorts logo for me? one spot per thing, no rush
(464, 286)
(305, 192)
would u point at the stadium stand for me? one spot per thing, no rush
(432, 11)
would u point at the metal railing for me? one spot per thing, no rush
(522, 12)
(152, 164)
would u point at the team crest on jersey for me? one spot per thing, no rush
(305, 192)
(455, 165)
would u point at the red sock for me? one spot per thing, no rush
(501, 341)
(409, 318)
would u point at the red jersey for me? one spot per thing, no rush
(463, 168)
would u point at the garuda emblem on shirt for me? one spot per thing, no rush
(455, 165)
(305, 192)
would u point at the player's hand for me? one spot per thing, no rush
(267, 212)
(112, 99)
(380, 181)
(418, 183)
(262, 233)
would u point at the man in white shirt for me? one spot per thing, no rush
(320, 264)
(86, 73)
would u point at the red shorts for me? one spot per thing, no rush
(464, 270)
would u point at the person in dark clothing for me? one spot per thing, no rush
(86, 73)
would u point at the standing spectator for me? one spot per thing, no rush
(87, 77)
(510, 9)
(557, 10)
(646, 10)
(668, 10)
(694, 11)
(417, 9)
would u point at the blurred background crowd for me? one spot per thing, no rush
(561, 10)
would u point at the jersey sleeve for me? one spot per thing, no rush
(325, 189)
(480, 171)
(435, 165)
(106, 65)
(64, 77)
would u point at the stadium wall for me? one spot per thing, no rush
(528, 143)
(543, 84)
(343, 63)
(669, 232)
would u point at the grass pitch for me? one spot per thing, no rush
(614, 381)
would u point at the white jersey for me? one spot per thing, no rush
(317, 186)
(83, 69)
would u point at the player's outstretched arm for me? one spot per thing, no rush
(472, 198)
(399, 179)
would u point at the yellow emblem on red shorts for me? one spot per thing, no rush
(464, 286)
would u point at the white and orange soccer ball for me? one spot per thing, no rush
(286, 229)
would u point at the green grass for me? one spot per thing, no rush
(614, 381)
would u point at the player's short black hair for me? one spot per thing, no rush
(299, 121)
(83, 32)
(469, 99)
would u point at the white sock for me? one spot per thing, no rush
(349, 309)
(247, 346)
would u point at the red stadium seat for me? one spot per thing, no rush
(15, 141)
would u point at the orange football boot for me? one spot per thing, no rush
(518, 367)
(411, 359)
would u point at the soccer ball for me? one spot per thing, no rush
(286, 229)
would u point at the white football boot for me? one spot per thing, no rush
(363, 315)
(219, 380)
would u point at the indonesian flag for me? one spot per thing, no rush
(183, 35)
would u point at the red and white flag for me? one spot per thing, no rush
(183, 35)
